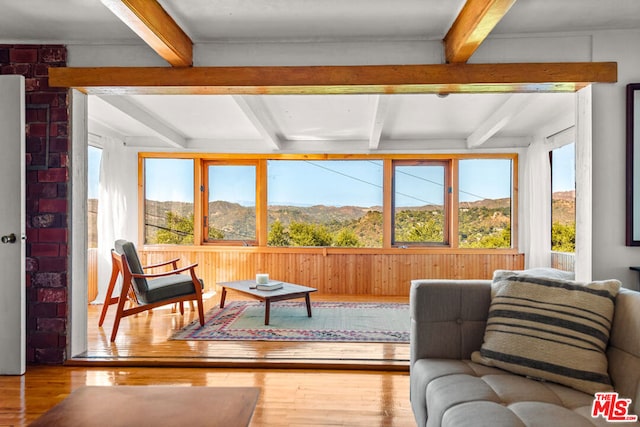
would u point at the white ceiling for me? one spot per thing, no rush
(89, 21)
(293, 122)
(297, 122)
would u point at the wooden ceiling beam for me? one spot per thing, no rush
(432, 78)
(472, 26)
(153, 24)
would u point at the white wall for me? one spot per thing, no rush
(611, 258)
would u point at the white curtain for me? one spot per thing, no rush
(536, 229)
(112, 208)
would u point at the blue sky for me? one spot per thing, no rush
(337, 183)
(94, 171)
(564, 167)
(169, 179)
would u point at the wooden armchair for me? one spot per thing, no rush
(148, 290)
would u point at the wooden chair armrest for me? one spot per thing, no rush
(165, 273)
(162, 263)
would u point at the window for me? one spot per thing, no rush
(325, 203)
(230, 207)
(168, 201)
(484, 207)
(419, 189)
(337, 201)
(563, 199)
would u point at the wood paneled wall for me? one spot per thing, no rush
(336, 271)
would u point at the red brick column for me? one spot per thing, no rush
(47, 174)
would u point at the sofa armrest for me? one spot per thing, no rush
(448, 317)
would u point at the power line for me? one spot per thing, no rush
(369, 183)
(440, 184)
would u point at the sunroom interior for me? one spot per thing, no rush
(328, 132)
(393, 123)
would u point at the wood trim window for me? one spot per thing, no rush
(338, 202)
(421, 202)
(229, 196)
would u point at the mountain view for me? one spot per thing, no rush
(482, 224)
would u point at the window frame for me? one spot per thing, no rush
(513, 219)
(260, 160)
(204, 190)
(446, 197)
(553, 151)
(142, 194)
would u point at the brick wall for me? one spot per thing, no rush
(47, 174)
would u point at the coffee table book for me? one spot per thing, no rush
(271, 286)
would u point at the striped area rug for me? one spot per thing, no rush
(330, 321)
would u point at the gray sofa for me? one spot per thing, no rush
(447, 324)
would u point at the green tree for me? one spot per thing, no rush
(563, 237)
(419, 226)
(492, 238)
(303, 234)
(277, 235)
(215, 234)
(178, 230)
(346, 238)
(482, 227)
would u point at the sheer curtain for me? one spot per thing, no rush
(536, 230)
(113, 209)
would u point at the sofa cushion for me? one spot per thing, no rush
(550, 329)
(462, 393)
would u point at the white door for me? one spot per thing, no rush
(12, 226)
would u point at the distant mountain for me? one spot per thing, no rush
(487, 203)
(564, 195)
(318, 213)
(238, 222)
(563, 207)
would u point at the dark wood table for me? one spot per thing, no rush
(288, 291)
(157, 406)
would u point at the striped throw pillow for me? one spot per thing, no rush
(550, 329)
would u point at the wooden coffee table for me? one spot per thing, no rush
(120, 406)
(288, 291)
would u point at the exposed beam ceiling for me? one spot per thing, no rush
(430, 78)
(475, 21)
(257, 113)
(473, 24)
(153, 25)
(380, 115)
(499, 119)
(165, 133)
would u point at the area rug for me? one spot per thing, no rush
(330, 321)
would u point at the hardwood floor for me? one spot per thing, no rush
(143, 341)
(289, 397)
(302, 384)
